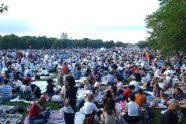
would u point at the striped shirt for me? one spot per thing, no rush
(6, 91)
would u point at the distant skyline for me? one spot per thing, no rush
(118, 20)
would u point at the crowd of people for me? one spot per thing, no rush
(119, 85)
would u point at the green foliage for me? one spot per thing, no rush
(143, 44)
(167, 26)
(14, 42)
(3, 8)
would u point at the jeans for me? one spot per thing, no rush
(41, 119)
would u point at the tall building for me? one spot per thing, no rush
(64, 36)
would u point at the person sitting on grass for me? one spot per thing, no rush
(109, 115)
(36, 115)
(132, 110)
(178, 94)
(50, 87)
(25, 90)
(88, 109)
(140, 98)
(6, 90)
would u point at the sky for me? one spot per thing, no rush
(118, 20)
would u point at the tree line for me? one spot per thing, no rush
(25, 42)
(167, 26)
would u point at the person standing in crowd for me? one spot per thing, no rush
(70, 98)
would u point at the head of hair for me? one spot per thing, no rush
(78, 67)
(132, 97)
(140, 91)
(6, 81)
(119, 77)
(109, 106)
(70, 80)
(16, 77)
(90, 97)
(37, 77)
(42, 100)
(108, 94)
(49, 80)
(132, 87)
(94, 90)
(179, 90)
(26, 81)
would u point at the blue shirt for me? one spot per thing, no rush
(6, 91)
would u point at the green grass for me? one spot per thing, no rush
(52, 105)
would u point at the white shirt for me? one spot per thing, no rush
(89, 107)
(120, 85)
(44, 72)
(133, 109)
(18, 83)
(157, 73)
(136, 84)
(98, 98)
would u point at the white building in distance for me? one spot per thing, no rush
(64, 36)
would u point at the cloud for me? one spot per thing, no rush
(112, 28)
(8, 25)
(108, 19)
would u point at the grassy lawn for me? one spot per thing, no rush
(52, 105)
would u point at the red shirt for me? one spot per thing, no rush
(65, 69)
(34, 110)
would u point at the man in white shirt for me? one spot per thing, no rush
(135, 83)
(132, 110)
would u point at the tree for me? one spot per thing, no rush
(142, 44)
(167, 26)
(3, 8)
(14, 42)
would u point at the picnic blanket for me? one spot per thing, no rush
(56, 117)
(10, 118)
(43, 84)
(17, 99)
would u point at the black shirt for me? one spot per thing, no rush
(71, 94)
(50, 88)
